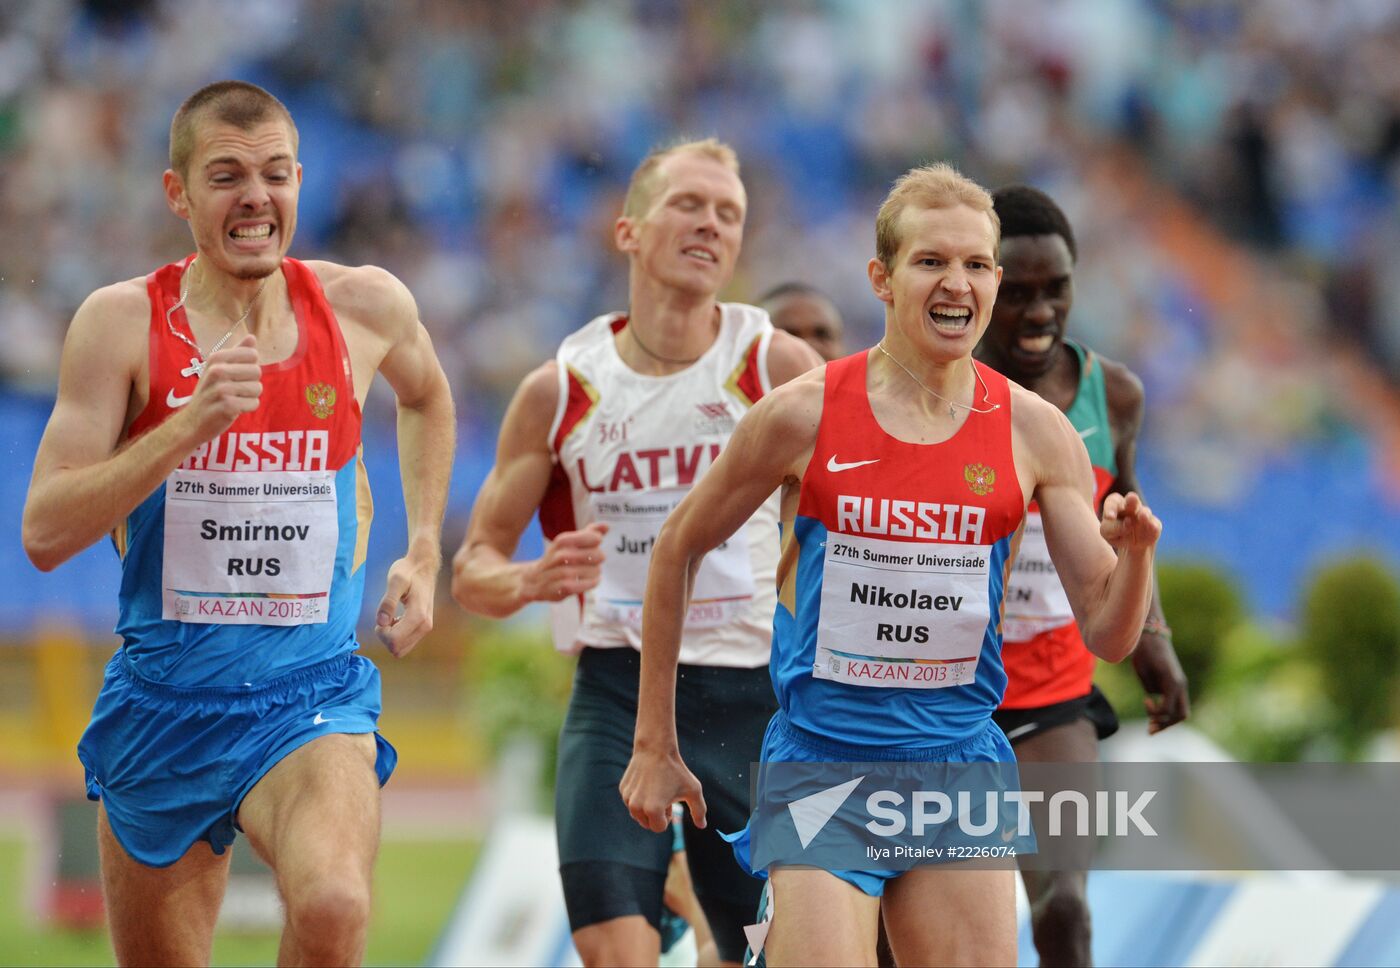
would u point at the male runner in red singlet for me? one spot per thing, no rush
(208, 418)
(909, 453)
(1052, 712)
(603, 441)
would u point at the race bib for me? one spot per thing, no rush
(1035, 598)
(249, 548)
(724, 586)
(901, 613)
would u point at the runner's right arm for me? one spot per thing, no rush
(84, 486)
(484, 578)
(770, 448)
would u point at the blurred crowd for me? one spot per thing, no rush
(1231, 168)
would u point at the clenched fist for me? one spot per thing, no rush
(571, 565)
(230, 386)
(1129, 524)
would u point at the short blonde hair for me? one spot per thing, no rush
(641, 190)
(930, 186)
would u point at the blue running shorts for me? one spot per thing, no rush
(785, 742)
(172, 764)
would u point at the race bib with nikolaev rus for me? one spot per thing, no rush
(901, 613)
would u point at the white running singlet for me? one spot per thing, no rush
(631, 447)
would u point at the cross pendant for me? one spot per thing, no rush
(952, 414)
(195, 369)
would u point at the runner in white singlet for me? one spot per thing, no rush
(604, 441)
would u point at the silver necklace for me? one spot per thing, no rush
(196, 367)
(952, 413)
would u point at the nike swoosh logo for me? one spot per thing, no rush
(172, 401)
(321, 718)
(835, 466)
(1088, 432)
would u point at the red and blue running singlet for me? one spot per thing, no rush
(246, 563)
(888, 626)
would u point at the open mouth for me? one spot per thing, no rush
(702, 255)
(251, 234)
(951, 320)
(1036, 345)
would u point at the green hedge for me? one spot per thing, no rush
(1351, 636)
(1202, 603)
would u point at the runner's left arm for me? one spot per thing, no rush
(1167, 698)
(769, 448)
(427, 435)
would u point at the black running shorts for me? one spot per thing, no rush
(610, 865)
(1020, 725)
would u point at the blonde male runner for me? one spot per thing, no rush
(603, 441)
(908, 447)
